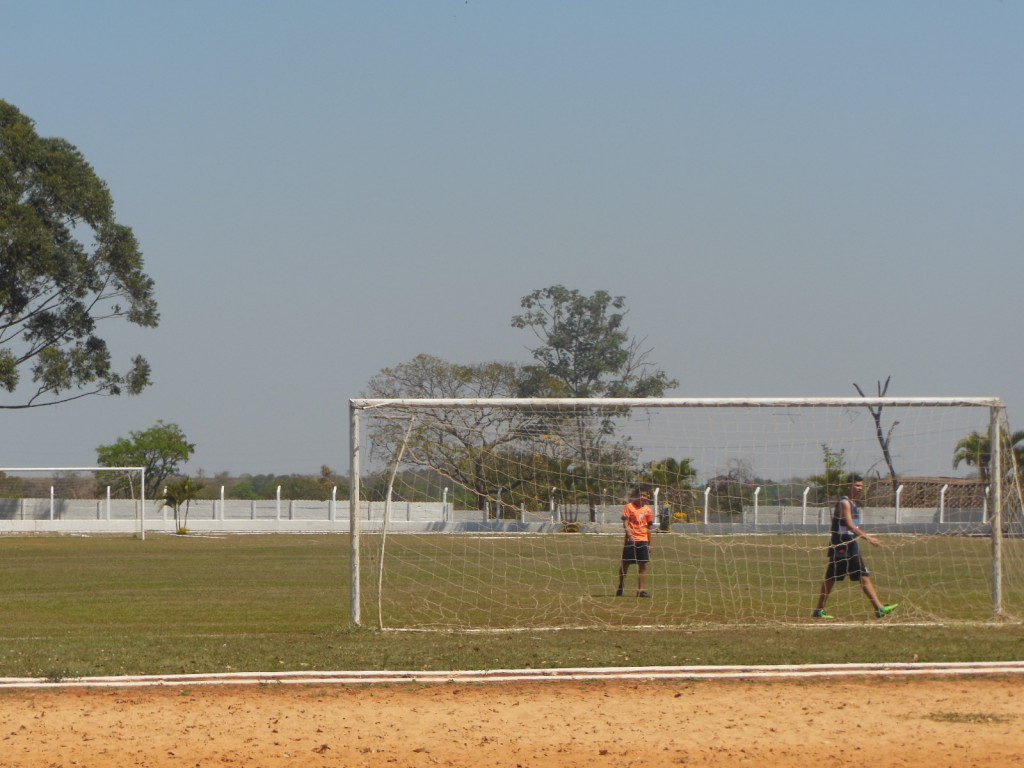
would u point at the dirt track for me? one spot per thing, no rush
(874, 723)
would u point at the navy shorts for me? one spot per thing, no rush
(636, 552)
(845, 560)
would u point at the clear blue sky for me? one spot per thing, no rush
(792, 196)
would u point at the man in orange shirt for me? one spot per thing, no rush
(637, 519)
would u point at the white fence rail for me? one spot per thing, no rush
(44, 515)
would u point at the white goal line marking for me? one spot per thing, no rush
(583, 674)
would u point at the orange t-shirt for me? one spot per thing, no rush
(638, 519)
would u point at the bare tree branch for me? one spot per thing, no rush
(884, 438)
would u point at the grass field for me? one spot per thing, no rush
(568, 580)
(77, 606)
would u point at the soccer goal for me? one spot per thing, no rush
(40, 498)
(506, 513)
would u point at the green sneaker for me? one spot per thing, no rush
(885, 610)
(820, 614)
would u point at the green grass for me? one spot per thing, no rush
(76, 606)
(569, 580)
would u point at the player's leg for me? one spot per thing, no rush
(643, 559)
(868, 586)
(826, 590)
(826, 587)
(623, 570)
(881, 609)
(641, 568)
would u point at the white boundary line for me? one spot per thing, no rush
(781, 672)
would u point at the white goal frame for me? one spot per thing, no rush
(997, 417)
(142, 483)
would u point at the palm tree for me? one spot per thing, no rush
(179, 494)
(675, 479)
(975, 450)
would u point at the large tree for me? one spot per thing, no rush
(460, 444)
(161, 449)
(586, 350)
(66, 265)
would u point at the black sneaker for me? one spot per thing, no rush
(618, 593)
(644, 594)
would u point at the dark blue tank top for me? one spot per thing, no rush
(840, 533)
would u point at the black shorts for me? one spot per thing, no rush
(845, 560)
(636, 552)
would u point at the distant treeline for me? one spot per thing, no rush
(318, 487)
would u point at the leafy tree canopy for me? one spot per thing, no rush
(161, 449)
(178, 494)
(320, 487)
(429, 376)
(675, 478)
(671, 473)
(831, 483)
(585, 349)
(461, 445)
(66, 264)
(975, 450)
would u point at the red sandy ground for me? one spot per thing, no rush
(872, 723)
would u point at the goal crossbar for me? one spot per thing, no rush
(672, 402)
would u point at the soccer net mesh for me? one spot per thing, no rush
(507, 513)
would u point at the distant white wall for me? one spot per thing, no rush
(122, 516)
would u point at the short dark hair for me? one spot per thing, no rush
(854, 478)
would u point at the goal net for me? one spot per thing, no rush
(31, 497)
(506, 513)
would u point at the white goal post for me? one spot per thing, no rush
(61, 493)
(506, 512)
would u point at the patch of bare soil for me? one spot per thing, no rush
(874, 723)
